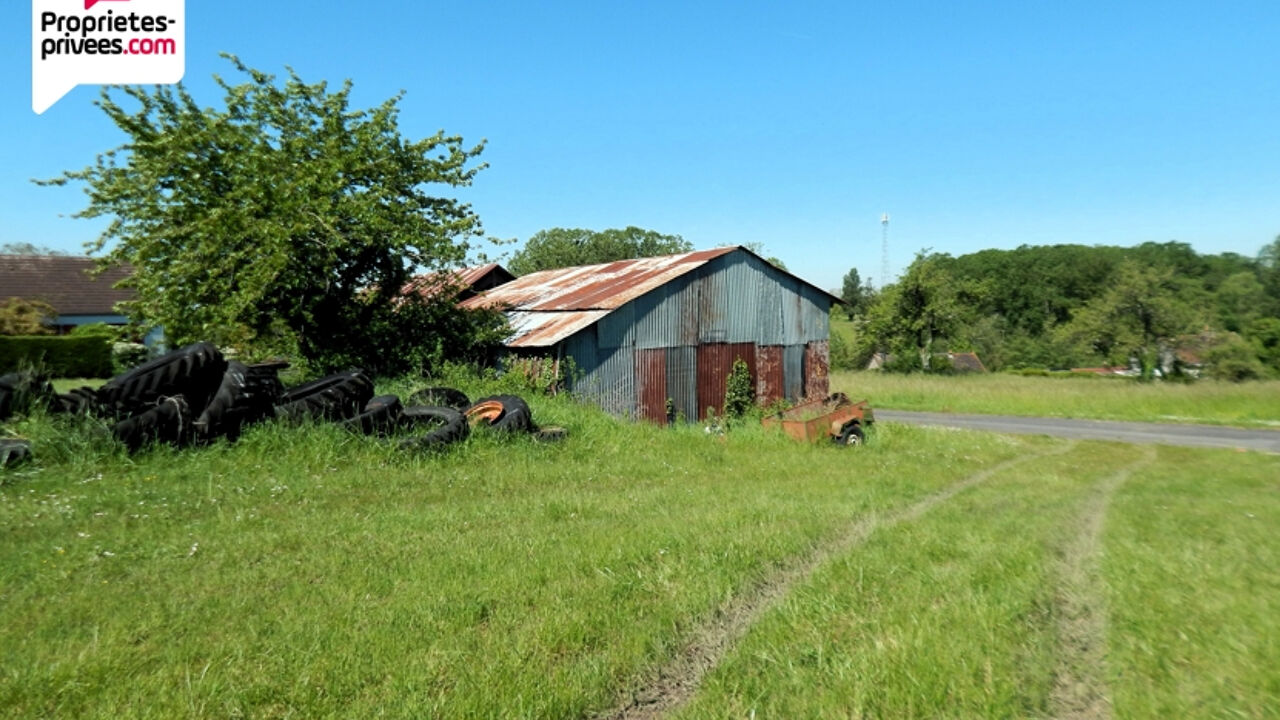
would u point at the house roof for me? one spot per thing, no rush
(64, 282)
(548, 306)
(474, 279)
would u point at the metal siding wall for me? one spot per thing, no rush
(770, 378)
(612, 385)
(815, 314)
(792, 315)
(617, 329)
(770, 310)
(715, 362)
(652, 320)
(651, 385)
(581, 348)
(744, 285)
(712, 304)
(793, 371)
(682, 380)
(816, 369)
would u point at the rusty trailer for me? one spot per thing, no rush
(835, 417)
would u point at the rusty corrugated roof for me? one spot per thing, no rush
(593, 287)
(548, 306)
(480, 277)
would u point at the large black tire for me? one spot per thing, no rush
(170, 421)
(446, 425)
(515, 416)
(13, 452)
(235, 405)
(440, 397)
(380, 415)
(335, 397)
(195, 372)
(78, 401)
(263, 380)
(21, 391)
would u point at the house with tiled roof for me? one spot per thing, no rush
(67, 284)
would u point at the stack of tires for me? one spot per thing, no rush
(194, 395)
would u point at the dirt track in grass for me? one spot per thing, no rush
(671, 686)
(1080, 688)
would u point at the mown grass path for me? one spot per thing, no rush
(1079, 690)
(676, 683)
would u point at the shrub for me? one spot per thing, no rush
(59, 356)
(740, 390)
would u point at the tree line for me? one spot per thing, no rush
(1161, 307)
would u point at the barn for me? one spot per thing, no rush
(655, 338)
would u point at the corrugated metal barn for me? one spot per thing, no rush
(648, 331)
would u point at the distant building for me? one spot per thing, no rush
(965, 362)
(467, 282)
(65, 283)
(656, 337)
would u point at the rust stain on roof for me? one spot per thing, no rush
(544, 329)
(593, 287)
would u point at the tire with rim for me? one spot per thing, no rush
(850, 435)
(379, 416)
(195, 372)
(335, 397)
(440, 397)
(514, 417)
(444, 425)
(170, 421)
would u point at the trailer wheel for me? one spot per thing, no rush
(851, 435)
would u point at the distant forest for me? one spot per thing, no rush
(1159, 307)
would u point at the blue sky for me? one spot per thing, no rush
(974, 125)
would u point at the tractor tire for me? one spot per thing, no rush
(78, 401)
(235, 406)
(441, 397)
(13, 452)
(381, 416)
(195, 372)
(263, 381)
(336, 397)
(21, 391)
(514, 417)
(170, 421)
(447, 425)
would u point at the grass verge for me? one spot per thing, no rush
(1253, 404)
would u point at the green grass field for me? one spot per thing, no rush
(309, 573)
(1252, 404)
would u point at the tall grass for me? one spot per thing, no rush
(1193, 566)
(305, 572)
(1253, 404)
(947, 615)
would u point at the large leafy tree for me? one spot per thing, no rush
(284, 219)
(923, 312)
(567, 247)
(1138, 315)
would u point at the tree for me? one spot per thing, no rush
(284, 220)
(1137, 316)
(568, 247)
(25, 317)
(856, 294)
(925, 306)
(26, 248)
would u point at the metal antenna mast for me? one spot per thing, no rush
(884, 250)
